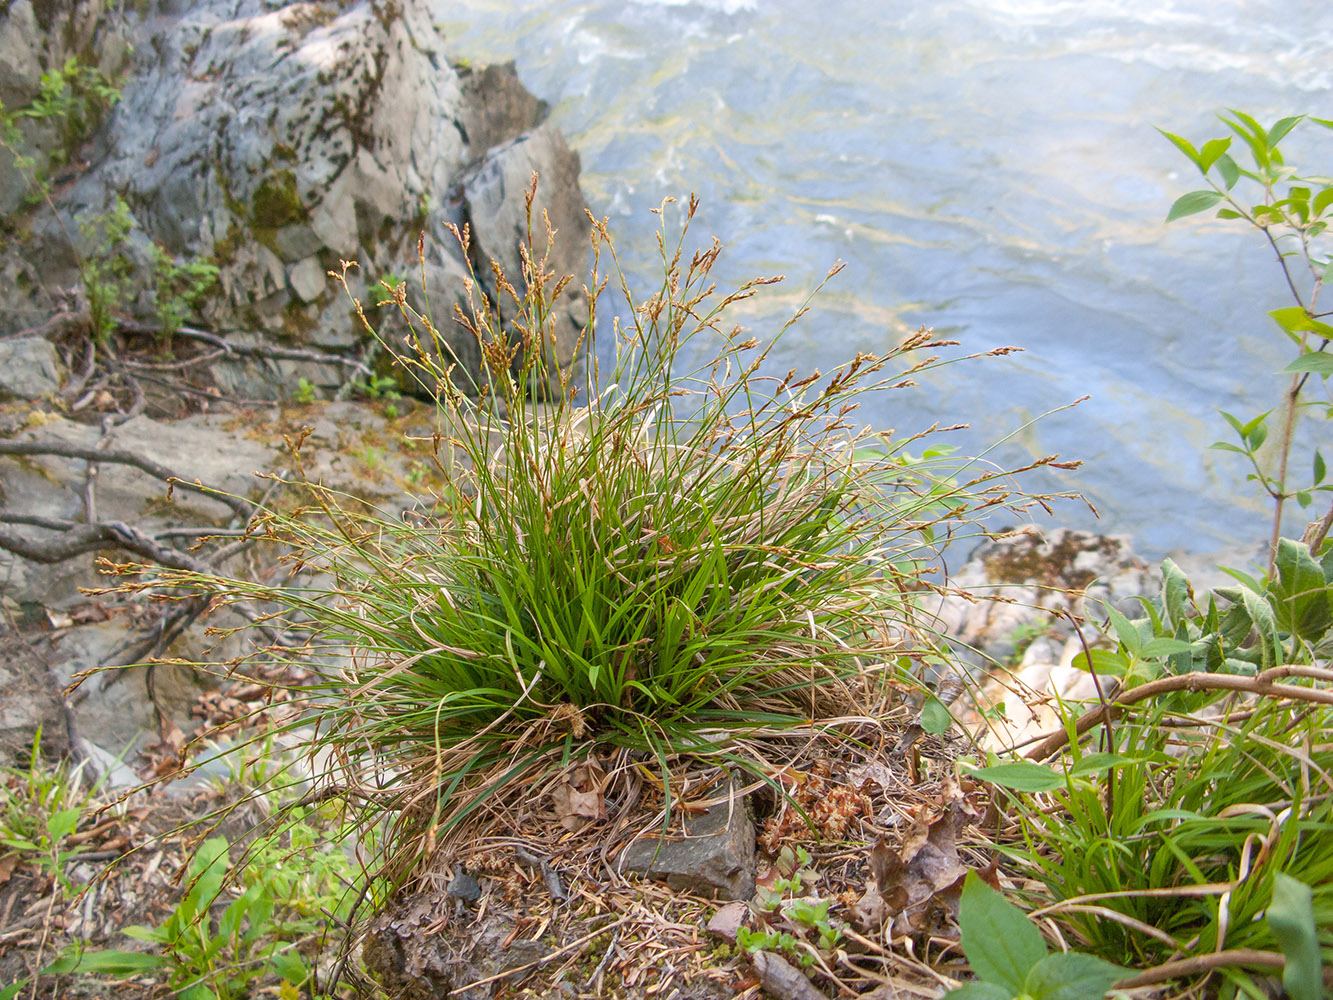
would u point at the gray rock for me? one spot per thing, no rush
(307, 279)
(266, 136)
(20, 69)
(29, 368)
(29, 701)
(715, 857)
(1022, 586)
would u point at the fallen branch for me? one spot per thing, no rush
(75, 539)
(251, 350)
(243, 508)
(1260, 684)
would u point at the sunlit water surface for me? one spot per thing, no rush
(989, 169)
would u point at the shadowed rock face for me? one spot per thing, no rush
(278, 142)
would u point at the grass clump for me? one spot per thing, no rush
(667, 558)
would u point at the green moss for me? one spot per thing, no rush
(282, 151)
(1025, 560)
(277, 203)
(224, 249)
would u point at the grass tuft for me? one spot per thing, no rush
(665, 559)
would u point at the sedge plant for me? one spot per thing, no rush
(660, 560)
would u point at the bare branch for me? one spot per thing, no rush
(80, 538)
(251, 350)
(243, 508)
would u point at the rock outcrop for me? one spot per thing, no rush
(276, 142)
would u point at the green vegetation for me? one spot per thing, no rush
(686, 559)
(72, 99)
(1010, 958)
(656, 562)
(1183, 825)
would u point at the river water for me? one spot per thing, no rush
(989, 169)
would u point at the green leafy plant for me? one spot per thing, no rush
(106, 268)
(1011, 960)
(73, 97)
(39, 807)
(178, 288)
(305, 391)
(1291, 210)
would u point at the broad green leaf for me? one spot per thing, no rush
(1125, 631)
(1313, 361)
(199, 991)
(1319, 468)
(1162, 647)
(1175, 592)
(1265, 622)
(1230, 172)
(1322, 199)
(14, 989)
(1291, 919)
(935, 717)
(1192, 204)
(1211, 150)
(1110, 662)
(1071, 976)
(1280, 129)
(1303, 595)
(1253, 135)
(1000, 943)
(1099, 763)
(968, 991)
(289, 966)
(1235, 422)
(1021, 776)
(1291, 318)
(60, 825)
(1185, 146)
(157, 935)
(1182, 662)
(109, 962)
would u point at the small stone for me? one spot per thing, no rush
(714, 858)
(463, 886)
(29, 368)
(307, 279)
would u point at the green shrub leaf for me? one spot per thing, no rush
(979, 991)
(1192, 204)
(1000, 943)
(1291, 919)
(1303, 596)
(1070, 976)
(1312, 361)
(935, 717)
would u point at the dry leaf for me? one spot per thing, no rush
(7, 865)
(578, 801)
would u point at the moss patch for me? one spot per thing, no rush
(277, 203)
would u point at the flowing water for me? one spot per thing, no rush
(989, 169)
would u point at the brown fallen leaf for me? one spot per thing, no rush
(8, 863)
(925, 875)
(578, 800)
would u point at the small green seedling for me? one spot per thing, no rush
(1009, 955)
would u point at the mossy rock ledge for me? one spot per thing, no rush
(276, 142)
